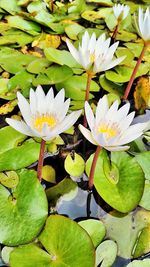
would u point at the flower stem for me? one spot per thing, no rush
(127, 91)
(115, 32)
(91, 176)
(41, 160)
(88, 84)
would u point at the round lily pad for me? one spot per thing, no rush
(65, 241)
(122, 187)
(106, 253)
(23, 213)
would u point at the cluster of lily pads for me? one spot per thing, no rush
(68, 200)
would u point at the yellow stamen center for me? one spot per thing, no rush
(109, 131)
(92, 58)
(39, 121)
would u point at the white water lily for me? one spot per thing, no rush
(110, 127)
(95, 55)
(143, 24)
(121, 11)
(45, 116)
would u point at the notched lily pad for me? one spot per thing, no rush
(106, 253)
(9, 179)
(57, 241)
(24, 211)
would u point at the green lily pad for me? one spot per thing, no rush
(145, 200)
(10, 6)
(65, 187)
(73, 30)
(123, 196)
(14, 61)
(126, 36)
(61, 57)
(10, 138)
(121, 51)
(9, 179)
(75, 87)
(126, 231)
(40, 13)
(15, 37)
(106, 253)
(74, 164)
(3, 85)
(95, 229)
(38, 65)
(24, 25)
(49, 174)
(123, 73)
(60, 250)
(110, 86)
(144, 160)
(92, 16)
(19, 157)
(24, 211)
(101, 2)
(21, 80)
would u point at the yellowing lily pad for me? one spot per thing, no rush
(24, 211)
(9, 179)
(74, 164)
(106, 253)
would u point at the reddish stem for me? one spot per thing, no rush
(127, 91)
(41, 160)
(92, 171)
(88, 84)
(115, 32)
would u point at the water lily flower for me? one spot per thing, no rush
(95, 55)
(121, 11)
(110, 127)
(45, 115)
(143, 24)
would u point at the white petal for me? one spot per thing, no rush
(112, 112)
(40, 99)
(113, 63)
(87, 134)
(132, 133)
(20, 126)
(102, 108)
(85, 41)
(122, 112)
(61, 113)
(89, 115)
(92, 43)
(33, 103)
(73, 51)
(67, 122)
(24, 108)
(117, 148)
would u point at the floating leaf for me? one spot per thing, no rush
(125, 36)
(3, 85)
(24, 25)
(126, 229)
(101, 2)
(62, 188)
(73, 30)
(92, 16)
(49, 174)
(6, 254)
(9, 179)
(95, 229)
(16, 37)
(38, 65)
(19, 157)
(75, 87)
(24, 212)
(106, 253)
(61, 57)
(10, 6)
(144, 159)
(122, 196)
(139, 263)
(142, 94)
(74, 164)
(145, 200)
(110, 86)
(57, 241)
(129, 56)
(10, 138)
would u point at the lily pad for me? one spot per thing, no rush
(106, 253)
(95, 229)
(123, 195)
(145, 200)
(139, 263)
(9, 179)
(73, 30)
(10, 6)
(111, 87)
(61, 57)
(24, 211)
(38, 65)
(57, 241)
(19, 157)
(74, 164)
(144, 160)
(75, 87)
(10, 138)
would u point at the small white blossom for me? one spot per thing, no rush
(110, 127)
(95, 55)
(121, 11)
(143, 24)
(45, 116)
